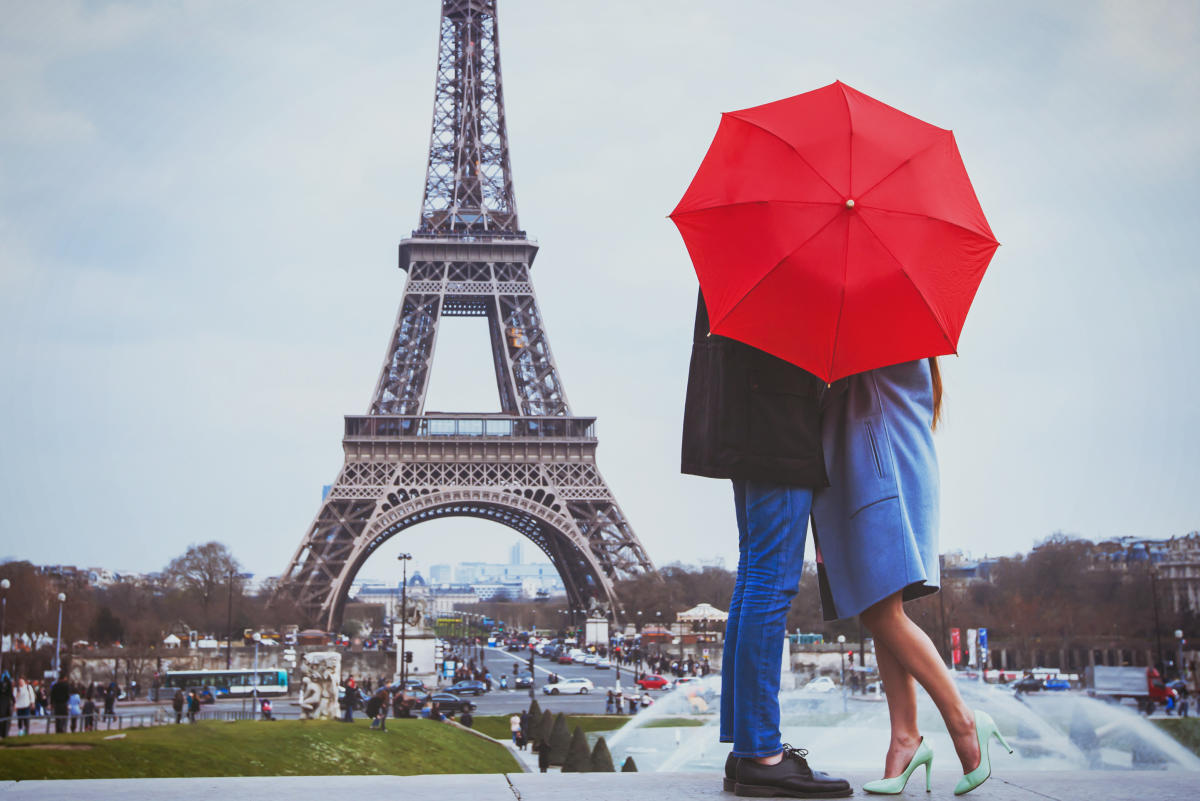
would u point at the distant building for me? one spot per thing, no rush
(1175, 563)
(514, 554)
(439, 574)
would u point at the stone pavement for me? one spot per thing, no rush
(1006, 786)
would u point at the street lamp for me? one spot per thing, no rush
(62, 597)
(4, 585)
(229, 626)
(403, 558)
(1179, 658)
(842, 656)
(254, 711)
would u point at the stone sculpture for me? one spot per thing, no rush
(319, 686)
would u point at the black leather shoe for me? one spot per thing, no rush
(730, 772)
(791, 777)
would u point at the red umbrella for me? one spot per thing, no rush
(835, 232)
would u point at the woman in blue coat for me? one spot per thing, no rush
(876, 531)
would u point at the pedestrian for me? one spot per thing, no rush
(608, 703)
(633, 703)
(60, 697)
(543, 749)
(468, 719)
(74, 707)
(177, 703)
(24, 702)
(382, 702)
(755, 419)
(89, 715)
(618, 701)
(193, 706)
(514, 726)
(265, 708)
(6, 702)
(111, 693)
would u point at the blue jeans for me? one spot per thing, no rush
(772, 522)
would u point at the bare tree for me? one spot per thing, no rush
(202, 573)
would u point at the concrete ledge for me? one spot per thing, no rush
(1004, 786)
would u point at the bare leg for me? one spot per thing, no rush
(901, 693)
(913, 649)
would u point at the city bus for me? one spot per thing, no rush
(228, 683)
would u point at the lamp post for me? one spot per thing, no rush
(403, 558)
(229, 626)
(1179, 657)
(62, 597)
(4, 585)
(1157, 632)
(254, 686)
(842, 655)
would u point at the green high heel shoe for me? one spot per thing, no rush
(896, 784)
(985, 730)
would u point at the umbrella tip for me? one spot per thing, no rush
(849, 203)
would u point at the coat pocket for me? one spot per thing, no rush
(868, 477)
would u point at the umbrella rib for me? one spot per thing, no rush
(794, 150)
(714, 323)
(753, 203)
(837, 327)
(903, 271)
(959, 226)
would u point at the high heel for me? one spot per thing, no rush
(985, 730)
(896, 784)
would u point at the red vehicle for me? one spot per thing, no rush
(565, 659)
(652, 681)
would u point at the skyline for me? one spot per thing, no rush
(200, 205)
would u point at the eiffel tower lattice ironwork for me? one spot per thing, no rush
(532, 467)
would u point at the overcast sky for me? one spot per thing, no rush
(200, 204)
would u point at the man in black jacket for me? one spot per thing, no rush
(756, 419)
(60, 697)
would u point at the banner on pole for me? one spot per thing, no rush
(956, 646)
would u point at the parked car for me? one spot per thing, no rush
(469, 687)
(821, 684)
(651, 681)
(449, 702)
(522, 682)
(569, 686)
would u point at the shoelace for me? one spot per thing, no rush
(795, 753)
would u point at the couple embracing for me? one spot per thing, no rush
(857, 457)
(839, 245)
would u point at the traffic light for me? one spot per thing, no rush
(408, 656)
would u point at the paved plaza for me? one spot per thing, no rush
(1011, 786)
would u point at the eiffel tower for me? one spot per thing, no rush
(531, 467)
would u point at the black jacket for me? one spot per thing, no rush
(750, 415)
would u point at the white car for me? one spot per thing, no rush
(821, 684)
(603, 664)
(590, 659)
(569, 686)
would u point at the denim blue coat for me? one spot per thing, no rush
(876, 525)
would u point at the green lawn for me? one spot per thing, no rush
(255, 748)
(1185, 730)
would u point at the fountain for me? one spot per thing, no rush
(1049, 730)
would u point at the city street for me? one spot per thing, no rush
(496, 702)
